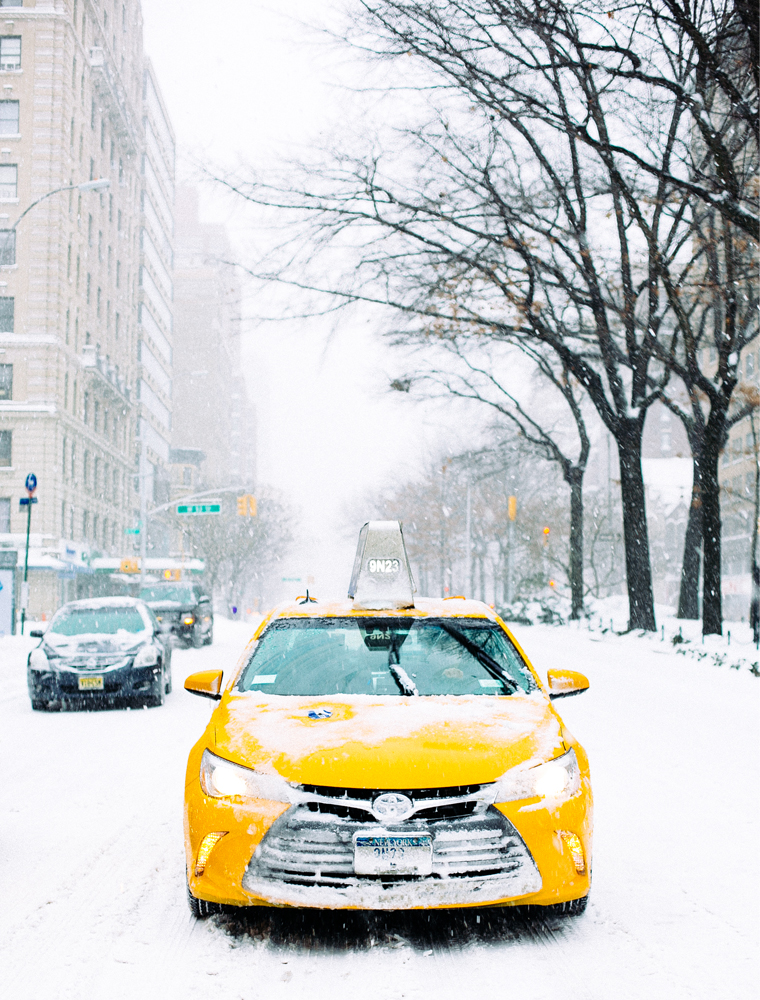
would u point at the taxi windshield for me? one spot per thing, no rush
(168, 592)
(97, 621)
(381, 656)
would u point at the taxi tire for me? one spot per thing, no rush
(572, 908)
(201, 908)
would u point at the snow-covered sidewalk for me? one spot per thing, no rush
(93, 879)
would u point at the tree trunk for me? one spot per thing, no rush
(637, 563)
(576, 543)
(712, 609)
(688, 598)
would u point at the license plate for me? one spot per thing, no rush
(393, 855)
(90, 683)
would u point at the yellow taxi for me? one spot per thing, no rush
(386, 752)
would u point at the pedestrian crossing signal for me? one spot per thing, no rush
(246, 506)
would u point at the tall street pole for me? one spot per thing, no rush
(28, 500)
(143, 510)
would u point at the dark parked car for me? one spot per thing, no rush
(183, 609)
(100, 652)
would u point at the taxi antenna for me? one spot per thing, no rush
(308, 600)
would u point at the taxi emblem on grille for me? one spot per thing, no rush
(392, 806)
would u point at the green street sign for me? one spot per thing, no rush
(131, 531)
(214, 507)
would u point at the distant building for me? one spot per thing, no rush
(211, 410)
(85, 283)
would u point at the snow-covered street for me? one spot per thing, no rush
(93, 874)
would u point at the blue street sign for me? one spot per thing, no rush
(25, 501)
(31, 482)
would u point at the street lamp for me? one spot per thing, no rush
(101, 184)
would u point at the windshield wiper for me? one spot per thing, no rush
(401, 677)
(493, 667)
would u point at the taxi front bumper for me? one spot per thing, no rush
(274, 854)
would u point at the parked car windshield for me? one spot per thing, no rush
(169, 592)
(324, 656)
(90, 621)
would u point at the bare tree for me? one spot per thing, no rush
(553, 198)
(477, 381)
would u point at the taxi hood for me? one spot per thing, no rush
(361, 741)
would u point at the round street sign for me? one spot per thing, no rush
(31, 482)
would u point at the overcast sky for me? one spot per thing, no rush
(242, 80)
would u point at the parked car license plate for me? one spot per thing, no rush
(402, 854)
(90, 683)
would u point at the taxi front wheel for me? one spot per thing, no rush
(572, 908)
(201, 908)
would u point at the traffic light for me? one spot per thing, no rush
(512, 508)
(246, 506)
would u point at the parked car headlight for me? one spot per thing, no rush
(188, 619)
(38, 660)
(558, 778)
(222, 779)
(147, 657)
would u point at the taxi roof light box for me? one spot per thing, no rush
(381, 578)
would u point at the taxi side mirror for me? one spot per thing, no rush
(206, 683)
(563, 683)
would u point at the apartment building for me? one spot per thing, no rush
(85, 282)
(214, 436)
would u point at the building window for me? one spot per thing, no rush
(5, 515)
(6, 313)
(8, 181)
(63, 458)
(750, 364)
(10, 52)
(86, 525)
(6, 440)
(86, 468)
(11, 3)
(9, 118)
(8, 246)
(6, 381)
(89, 230)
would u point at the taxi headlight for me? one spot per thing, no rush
(38, 660)
(558, 778)
(222, 779)
(147, 657)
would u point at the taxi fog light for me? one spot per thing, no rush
(551, 780)
(573, 844)
(222, 779)
(208, 844)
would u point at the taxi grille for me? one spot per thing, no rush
(304, 847)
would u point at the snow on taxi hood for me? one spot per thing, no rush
(387, 742)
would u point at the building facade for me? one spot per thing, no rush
(212, 412)
(85, 282)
